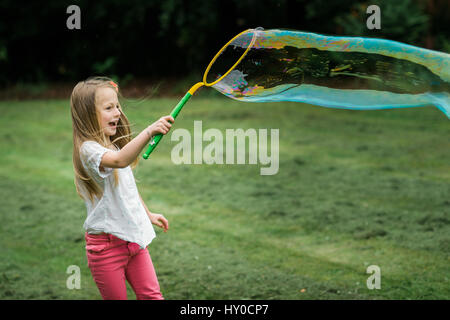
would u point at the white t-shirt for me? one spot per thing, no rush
(120, 211)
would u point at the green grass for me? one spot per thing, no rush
(354, 189)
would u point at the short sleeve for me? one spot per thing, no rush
(91, 154)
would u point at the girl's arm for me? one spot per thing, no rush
(156, 218)
(131, 150)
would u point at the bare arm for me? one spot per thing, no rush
(156, 218)
(146, 209)
(131, 150)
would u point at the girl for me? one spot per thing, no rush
(119, 224)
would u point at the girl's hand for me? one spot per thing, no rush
(160, 126)
(159, 220)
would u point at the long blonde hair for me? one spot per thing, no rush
(86, 126)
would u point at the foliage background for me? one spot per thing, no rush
(176, 38)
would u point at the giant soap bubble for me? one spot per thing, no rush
(338, 72)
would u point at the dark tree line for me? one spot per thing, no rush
(161, 38)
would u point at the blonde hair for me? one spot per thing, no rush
(86, 126)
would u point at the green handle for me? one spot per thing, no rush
(155, 140)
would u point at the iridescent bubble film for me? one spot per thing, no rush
(338, 72)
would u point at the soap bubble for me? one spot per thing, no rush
(339, 72)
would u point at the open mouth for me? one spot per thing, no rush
(113, 124)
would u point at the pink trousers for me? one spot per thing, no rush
(113, 260)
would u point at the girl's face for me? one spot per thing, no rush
(108, 109)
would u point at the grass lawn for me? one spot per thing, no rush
(354, 189)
